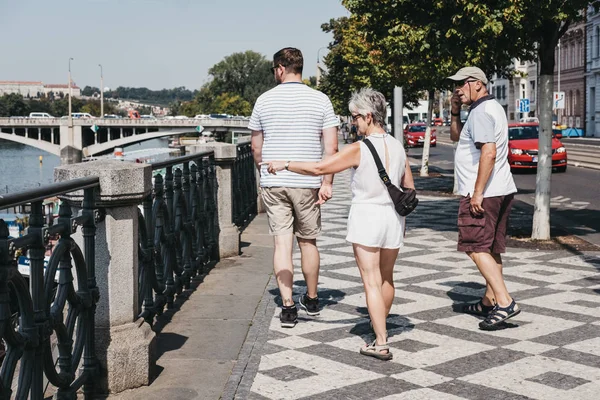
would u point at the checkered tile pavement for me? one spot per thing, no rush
(550, 351)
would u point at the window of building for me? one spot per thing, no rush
(532, 91)
(503, 92)
(498, 92)
(523, 95)
(576, 103)
(597, 42)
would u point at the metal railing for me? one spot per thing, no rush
(32, 316)
(178, 230)
(243, 182)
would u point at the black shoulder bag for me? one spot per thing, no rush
(405, 199)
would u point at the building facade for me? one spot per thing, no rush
(35, 89)
(592, 73)
(24, 88)
(569, 77)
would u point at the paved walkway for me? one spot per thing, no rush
(224, 340)
(550, 351)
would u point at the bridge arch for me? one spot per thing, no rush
(38, 144)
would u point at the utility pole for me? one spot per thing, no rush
(318, 65)
(70, 95)
(101, 92)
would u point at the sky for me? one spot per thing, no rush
(152, 43)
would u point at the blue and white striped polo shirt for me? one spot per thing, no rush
(292, 117)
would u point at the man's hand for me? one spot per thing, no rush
(273, 166)
(455, 102)
(476, 202)
(325, 193)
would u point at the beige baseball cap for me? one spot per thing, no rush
(469, 72)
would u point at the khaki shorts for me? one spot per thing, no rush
(484, 233)
(292, 210)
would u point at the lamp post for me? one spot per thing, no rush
(558, 88)
(70, 95)
(101, 92)
(318, 68)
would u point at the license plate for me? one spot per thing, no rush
(534, 158)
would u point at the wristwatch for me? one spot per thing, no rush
(286, 166)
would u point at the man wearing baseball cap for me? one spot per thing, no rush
(487, 189)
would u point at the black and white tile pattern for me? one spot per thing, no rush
(550, 351)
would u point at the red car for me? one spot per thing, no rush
(523, 147)
(414, 135)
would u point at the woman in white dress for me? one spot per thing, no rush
(375, 230)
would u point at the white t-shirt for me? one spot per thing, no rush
(292, 117)
(486, 124)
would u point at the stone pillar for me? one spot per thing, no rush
(229, 235)
(70, 144)
(124, 343)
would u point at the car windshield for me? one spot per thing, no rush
(417, 128)
(523, 132)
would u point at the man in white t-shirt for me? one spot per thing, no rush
(487, 186)
(293, 122)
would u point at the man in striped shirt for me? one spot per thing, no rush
(293, 122)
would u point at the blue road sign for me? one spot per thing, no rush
(524, 105)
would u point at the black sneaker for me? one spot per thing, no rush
(310, 305)
(288, 316)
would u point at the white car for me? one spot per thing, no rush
(40, 115)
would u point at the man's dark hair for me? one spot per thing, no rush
(291, 58)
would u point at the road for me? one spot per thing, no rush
(575, 198)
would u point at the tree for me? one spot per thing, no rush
(15, 105)
(234, 104)
(246, 74)
(432, 39)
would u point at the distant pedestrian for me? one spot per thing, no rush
(375, 229)
(487, 188)
(345, 132)
(294, 122)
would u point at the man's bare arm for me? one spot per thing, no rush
(257, 144)
(330, 146)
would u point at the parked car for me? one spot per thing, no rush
(523, 147)
(437, 122)
(146, 116)
(38, 115)
(414, 135)
(112, 116)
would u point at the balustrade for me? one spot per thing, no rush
(55, 311)
(84, 323)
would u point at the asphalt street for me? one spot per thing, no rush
(575, 194)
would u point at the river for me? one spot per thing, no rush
(20, 166)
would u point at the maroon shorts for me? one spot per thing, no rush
(484, 233)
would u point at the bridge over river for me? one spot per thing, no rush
(87, 137)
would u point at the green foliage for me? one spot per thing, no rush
(14, 105)
(236, 83)
(246, 74)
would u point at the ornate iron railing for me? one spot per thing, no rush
(32, 320)
(243, 186)
(178, 230)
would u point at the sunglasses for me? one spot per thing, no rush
(463, 82)
(355, 117)
(275, 67)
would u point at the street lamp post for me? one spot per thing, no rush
(101, 92)
(318, 67)
(70, 95)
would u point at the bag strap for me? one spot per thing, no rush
(380, 169)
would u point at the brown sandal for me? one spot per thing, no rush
(373, 350)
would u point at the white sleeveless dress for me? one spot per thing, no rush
(373, 221)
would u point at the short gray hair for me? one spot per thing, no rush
(369, 101)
